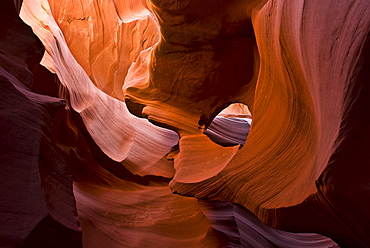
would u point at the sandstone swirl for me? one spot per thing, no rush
(185, 123)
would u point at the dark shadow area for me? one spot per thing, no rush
(48, 233)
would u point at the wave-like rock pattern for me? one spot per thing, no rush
(301, 71)
(105, 37)
(297, 110)
(243, 229)
(116, 132)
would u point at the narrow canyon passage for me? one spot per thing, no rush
(184, 123)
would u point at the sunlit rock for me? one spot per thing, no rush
(257, 103)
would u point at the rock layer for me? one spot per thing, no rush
(303, 168)
(35, 180)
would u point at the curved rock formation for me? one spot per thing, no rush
(153, 105)
(297, 110)
(36, 184)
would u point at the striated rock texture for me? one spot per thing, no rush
(257, 108)
(105, 37)
(36, 185)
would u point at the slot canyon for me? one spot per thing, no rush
(184, 123)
